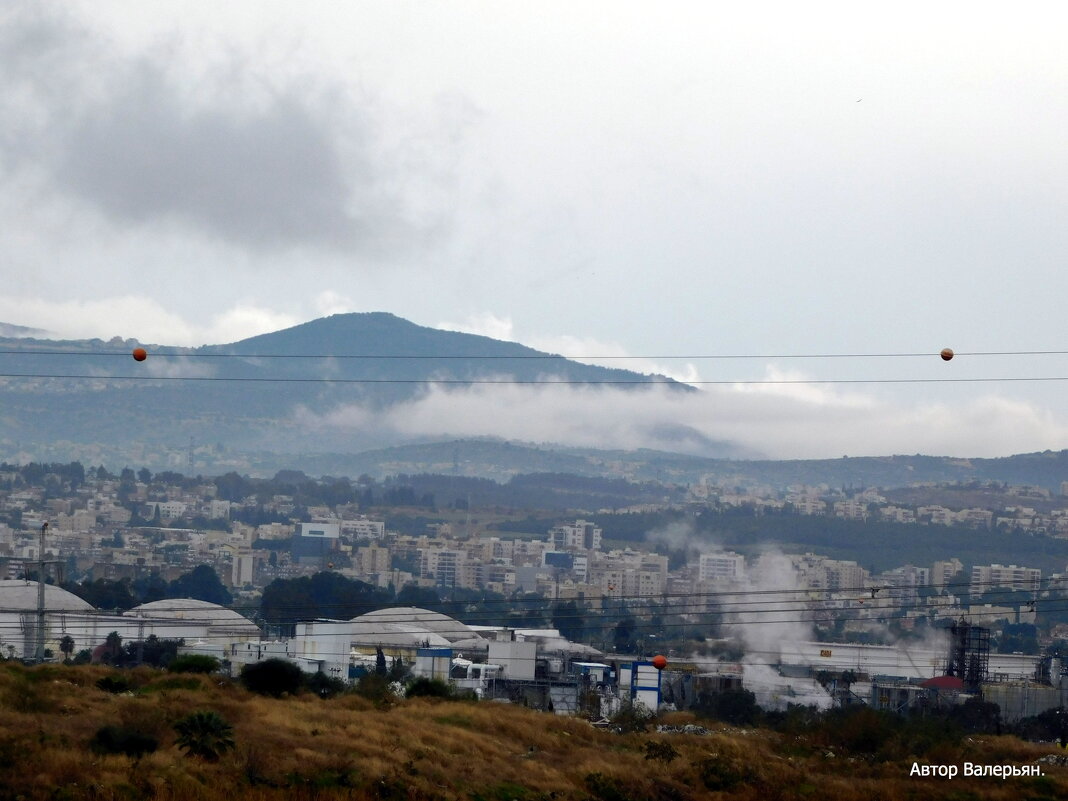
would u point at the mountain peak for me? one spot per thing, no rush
(374, 334)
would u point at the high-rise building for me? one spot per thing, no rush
(581, 535)
(946, 572)
(988, 577)
(720, 566)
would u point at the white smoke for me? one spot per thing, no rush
(681, 536)
(777, 692)
(770, 611)
(767, 616)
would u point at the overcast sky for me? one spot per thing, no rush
(603, 178)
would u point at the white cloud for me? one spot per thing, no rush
(792, 384)
(330, 302)
(485, 324)
(587, 350)
(191, 133)
(129, 317)
(716, 421)
(242, 322)
(139, 317)
(611, 354)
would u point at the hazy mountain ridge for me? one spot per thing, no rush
(253, 425)
(270, 400)
(501, 460)
(12, 331)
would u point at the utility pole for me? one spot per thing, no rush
(39, 652)
(140, 641)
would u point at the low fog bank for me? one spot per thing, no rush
(791, 422)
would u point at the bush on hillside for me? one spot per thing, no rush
(204, 734)
(375, 688)
(632, 717)
(122, 740)
(325, 686)
(423, 687)
(114, 684)
(737, 707)
(273, 677)
(193, 663)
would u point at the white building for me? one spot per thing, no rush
(168, 510)
(578, 536)
(443, 565)
(721, 566)
(364, 529)
(330, 531)
(242, 570)
(988, 577)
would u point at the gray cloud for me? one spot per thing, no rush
(265, 178)
(255, 160)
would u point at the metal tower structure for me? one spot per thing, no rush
(969, 653)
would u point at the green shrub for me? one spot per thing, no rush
(325, 686)
(737, 707)
(374, 687)
(114, 684)
(718, 775)
(606, 788)
(428, 688)
(273, 677)
(205, 735)
(631, 718)
(122, 740)
(978, 716)
(919, 735)
(860, 729)
(193, 663)
(508, 791)
(173, 683)
(661, 750)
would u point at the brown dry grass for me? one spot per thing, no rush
(347, 747)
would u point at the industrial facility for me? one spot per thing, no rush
(542, 669)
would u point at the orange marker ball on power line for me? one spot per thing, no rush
(660, 661)
(140, 354)
(946, 354)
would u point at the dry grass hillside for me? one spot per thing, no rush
(306, 747)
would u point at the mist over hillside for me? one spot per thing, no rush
(9, 331)
(345, 383)
(373, 393)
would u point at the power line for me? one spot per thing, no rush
(678, 603)
(543, 356)
(650, 381)
(994, 587)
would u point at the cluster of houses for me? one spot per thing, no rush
(90, 535)
(871, 505)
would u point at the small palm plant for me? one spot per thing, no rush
(66, 647)
(205, 735)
